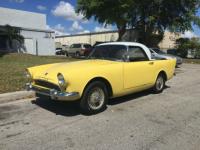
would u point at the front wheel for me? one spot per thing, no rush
(77, 54)
(94, 98)
(160, 84)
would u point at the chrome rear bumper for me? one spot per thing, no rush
(54, 94)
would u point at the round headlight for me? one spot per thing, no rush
(61, 81)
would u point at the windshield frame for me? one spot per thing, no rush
(107, 58)
(158, 51)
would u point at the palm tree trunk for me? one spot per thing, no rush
(121, 32)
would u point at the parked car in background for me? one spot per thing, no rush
(61, 49)
(112, 70)
(159, 54)
(172, 52)
(65, 48)
(80, 49)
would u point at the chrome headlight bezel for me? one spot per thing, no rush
(28, 75)
(61, 81)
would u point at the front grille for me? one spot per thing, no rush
(47, 85)
(39, 90)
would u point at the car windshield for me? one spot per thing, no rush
(76, 46)
(109, 52)
(87, 46)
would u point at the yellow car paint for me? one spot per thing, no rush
(124, 77)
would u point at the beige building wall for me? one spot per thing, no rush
(169, 40)
(68, 40)
(91, 38)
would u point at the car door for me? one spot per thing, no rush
(139, 70)
(71, 48)
(74, 48)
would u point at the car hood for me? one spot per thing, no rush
(177, 57)
(79, 67)
(166, 56)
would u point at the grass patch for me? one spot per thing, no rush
(12, 68)
(192, 61)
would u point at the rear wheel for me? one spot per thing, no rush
(160, 84)
(94, 98)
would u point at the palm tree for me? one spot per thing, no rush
(11, 33)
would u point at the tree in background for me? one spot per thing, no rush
(151, 18)
(10, 34)
(182, 45)
(195, 45)
(114, 12)
(185, 44)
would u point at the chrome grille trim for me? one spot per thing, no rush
(47, 84)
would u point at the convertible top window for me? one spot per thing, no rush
(76, 46)
(137, 54)
(110, 52)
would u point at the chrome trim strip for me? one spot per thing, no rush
(54, 94)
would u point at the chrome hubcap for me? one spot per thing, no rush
(159, 83)
(96, 98)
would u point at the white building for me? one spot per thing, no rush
(37, 39)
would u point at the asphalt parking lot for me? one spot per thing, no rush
(143, 121)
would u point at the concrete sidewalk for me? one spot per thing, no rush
(13, 96)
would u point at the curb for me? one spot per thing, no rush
(14, 96)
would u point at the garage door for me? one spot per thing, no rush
(29, 45)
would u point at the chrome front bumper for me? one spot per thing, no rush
(54, 94)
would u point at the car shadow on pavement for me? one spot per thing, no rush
(131, 97)
(70, 109)
(123, 99)
(59, 108)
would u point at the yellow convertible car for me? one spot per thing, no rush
(112, 70)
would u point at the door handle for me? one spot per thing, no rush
(151, 63)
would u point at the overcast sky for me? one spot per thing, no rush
(62, 18)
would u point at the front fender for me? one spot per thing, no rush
(35, 71)
(78, 79)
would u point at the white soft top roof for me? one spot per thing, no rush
(146, 49)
